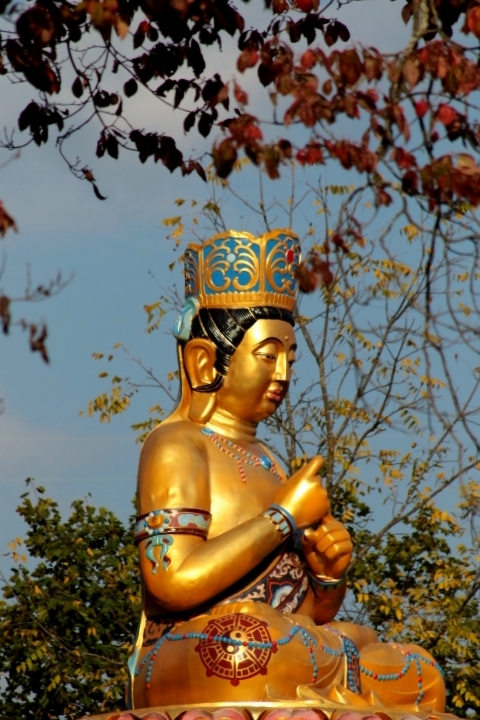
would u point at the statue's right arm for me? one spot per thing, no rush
(174, 473)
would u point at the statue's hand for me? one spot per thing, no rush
(303, 495)
(328, 549)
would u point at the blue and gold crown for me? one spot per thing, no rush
(237, 269)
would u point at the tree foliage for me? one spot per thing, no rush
(69, 613)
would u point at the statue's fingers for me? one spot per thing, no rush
(332, 539)
(313, 466)
(337, 549)
(309, 541)
(332, 524)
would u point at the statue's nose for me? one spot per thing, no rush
(282, 370)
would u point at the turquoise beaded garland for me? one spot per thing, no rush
(245, 458)
(349, 650)
(409, 658)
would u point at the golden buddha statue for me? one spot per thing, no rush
(244, 568)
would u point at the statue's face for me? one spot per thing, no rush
(259, 373)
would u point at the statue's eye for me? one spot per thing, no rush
(267, 356)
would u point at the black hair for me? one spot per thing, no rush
(226, 329)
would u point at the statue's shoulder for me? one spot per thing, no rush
(173, 469)
(181, 433)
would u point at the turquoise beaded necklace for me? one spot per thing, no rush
(244, 458)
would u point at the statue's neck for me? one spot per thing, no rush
(232, 427)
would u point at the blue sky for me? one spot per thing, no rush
(109, 247)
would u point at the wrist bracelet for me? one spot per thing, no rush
(281, 518)
(325, 583)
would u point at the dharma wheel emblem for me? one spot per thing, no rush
(238, 647)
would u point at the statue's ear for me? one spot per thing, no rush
(199, 358)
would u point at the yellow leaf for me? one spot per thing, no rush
(121, 28)
(169, 222)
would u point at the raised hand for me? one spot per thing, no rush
(328, 549)
(303, 495)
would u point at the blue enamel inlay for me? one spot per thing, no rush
(265, 462)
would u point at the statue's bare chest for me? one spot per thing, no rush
(241, 487)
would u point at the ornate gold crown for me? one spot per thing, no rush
(237, 269)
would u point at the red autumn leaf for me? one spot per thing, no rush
(311, 154)
(323, 270)
(306, 278)
(410, 182)
(373, 65)
(307, 5)
(240, 95)
(330, 33)
(446, 114)
(340, 243)
(343, 32)
(252, 132)
(6, 221)
(301, 156)
(472, 23)
(407, 12)
(327, 87)
(140, 34)
(248, 58)
(308, 60)
(271, 160)
(351, 107)
(394, 72)
(37, 341)
(421, 108)
(285, 149)
(5, 315)
(396, 114)
(130, 87)
(411, 72)
(423, 54)
(224, 157)
(404, 159)
(279, 6)
(382, 197)
(350, 67)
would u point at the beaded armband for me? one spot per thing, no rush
(324, 583)
(187, 521)
(281, 518)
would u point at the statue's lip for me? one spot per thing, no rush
(276, 393)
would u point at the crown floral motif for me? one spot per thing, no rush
(237, 269)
